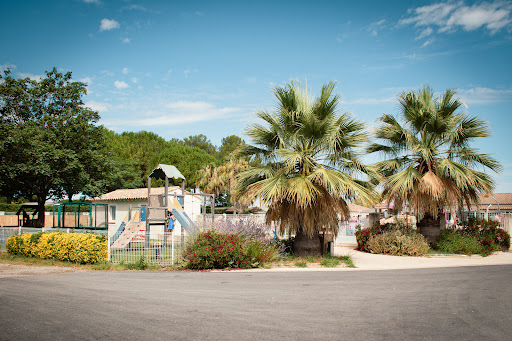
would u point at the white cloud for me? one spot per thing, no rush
(98, 106)
(134, 80)
(31, 76)
(7, 66)
(120, 84)
(448, 17)
(425, 33)
(135, 7)
(180, 113)
(125, 71)
(482, 95)
(428, 42)
(368, 100)
(108, 24)
(126, 40)
(92, 1)
(87, 80)
(375, 27)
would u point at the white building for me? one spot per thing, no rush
(121, 201)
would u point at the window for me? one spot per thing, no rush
(111, 213)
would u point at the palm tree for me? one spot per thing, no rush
(309, 165)
(429, 162)
(222, 178)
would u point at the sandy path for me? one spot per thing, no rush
(15, 270)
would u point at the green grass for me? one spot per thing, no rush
(6, 258)
(301, 264)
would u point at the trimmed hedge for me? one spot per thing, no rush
(80, 248)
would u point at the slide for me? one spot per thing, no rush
(131, 229)
(183, 218)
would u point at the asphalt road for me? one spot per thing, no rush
(466, 303)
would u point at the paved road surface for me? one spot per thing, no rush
(465, 303)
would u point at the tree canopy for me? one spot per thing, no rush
(429, 162)
(50, 143)
(310, 164)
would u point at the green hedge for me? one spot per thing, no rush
(80, 248)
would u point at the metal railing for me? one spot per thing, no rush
(162, 249)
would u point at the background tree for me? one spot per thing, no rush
(429, 161)
(221, 180)
(41, 119)
(228, 145)
(188, 160)
(309, 164)
(133, 153)
(200, 141)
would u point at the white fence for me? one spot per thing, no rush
(163, 248)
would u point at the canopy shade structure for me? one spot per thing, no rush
(169, 171)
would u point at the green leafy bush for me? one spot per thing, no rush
(456, 242)
(259, 254)
(80, 248)
(397, 243)
(486, 231)
(212, 250)
(476, 236)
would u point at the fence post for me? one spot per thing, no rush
(172, 247)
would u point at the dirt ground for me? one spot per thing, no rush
(15, 270)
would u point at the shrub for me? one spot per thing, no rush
(397, 243)
(457, 242)
(260, 254)
(476, 236)
(363, 235)
(245, 229)
(73, 247)
(212, 250)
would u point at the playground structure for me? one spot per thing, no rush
(25, 218)
(95, 219)
(158, 205)
(144, 229)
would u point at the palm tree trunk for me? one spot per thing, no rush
(305, 245)
(430, 228)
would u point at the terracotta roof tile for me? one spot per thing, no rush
(135, 193)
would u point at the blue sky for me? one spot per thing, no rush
(181, 68)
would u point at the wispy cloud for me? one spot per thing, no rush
(451, 16)
(482, 95)
(180, 113)
(125, 71)
(120, 84)
(98, 106)
(31, 76)
(136, 7)
(108, 24)
(375, 27)
(369, 100)
(7, 66)
(126, 40)
(87, 80)
(92, 1)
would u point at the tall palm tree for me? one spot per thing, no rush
(222, 179)
(309, 164)
(429, 162)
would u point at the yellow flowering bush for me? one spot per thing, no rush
(73, 247)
